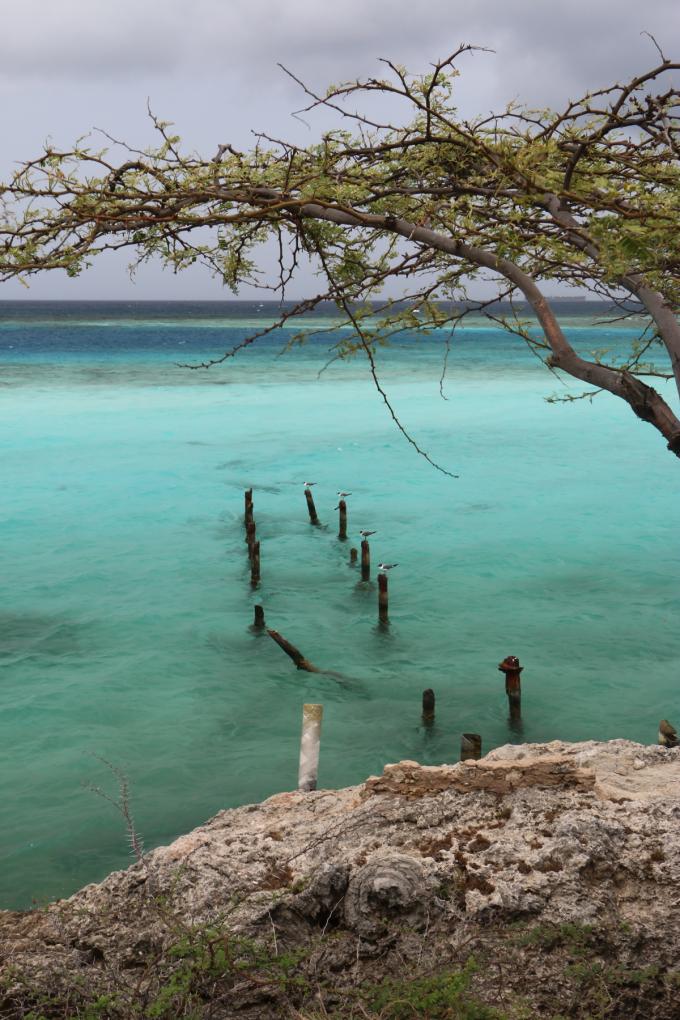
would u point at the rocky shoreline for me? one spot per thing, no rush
(546, 875)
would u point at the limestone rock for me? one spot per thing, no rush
(558, 833)
(389, 888)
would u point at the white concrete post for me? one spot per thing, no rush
(309, 746)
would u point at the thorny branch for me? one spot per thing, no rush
(365, 343)
(122, 804)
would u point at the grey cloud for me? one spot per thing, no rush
(541, 45)
(82, 39)
(210, 65)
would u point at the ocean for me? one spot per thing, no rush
(125, 635)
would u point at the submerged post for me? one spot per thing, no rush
(310, 742)
(470, 746)
(513, 688)
(259, 617)
(428, 706)
(365, 561)
(353, 555)
(382, 598)
(248, 516)
(294, 653)
(255, 564)
(310, 506)
(342, 527)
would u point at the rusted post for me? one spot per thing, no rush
(248, 516)
(353, 554)
(310, 742)
(294, 653)
(365, 560)
(470, 746)
(342, 528)
(428, 706)
(382, 598)
(310, 506)
(255, 564)
(513, 688)
(259, 617)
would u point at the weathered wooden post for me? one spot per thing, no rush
(382, 598)
(294, 653)
(309, 747)
(255, 564)
(513, 688)
(310, 506)
(248, 516)
(259, 617)
(470, 746)
(342, 528)
(250, 535)
(428, 706)
(365, 560)
(353, 554)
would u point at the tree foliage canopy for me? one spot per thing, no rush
(588, 196)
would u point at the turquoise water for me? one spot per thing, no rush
(126, 604)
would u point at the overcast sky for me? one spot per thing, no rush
(210, 66)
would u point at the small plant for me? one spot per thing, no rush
(577, 938)
(208, 961)
(443, 996)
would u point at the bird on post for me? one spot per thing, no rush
(343, 495)
(365, 534)
(668, 736)
(384, 567)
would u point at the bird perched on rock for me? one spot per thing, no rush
(668, 736)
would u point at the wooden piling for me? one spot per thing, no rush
(470, 746)
(255, 564)
(382, 598)
(513, 687)
(353, 556)
(365, 561)
(250, 535)
(248, 496)
(294, 653)
(428, 706)
(515, 708)
(310, 506)
(342, 527)
(310, 742)
(259, 617)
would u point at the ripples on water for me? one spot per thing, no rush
(125, 619)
